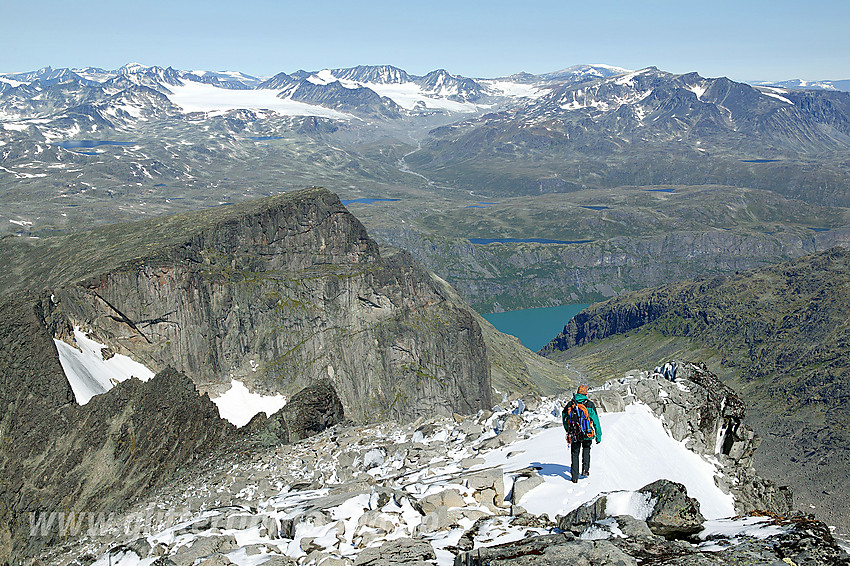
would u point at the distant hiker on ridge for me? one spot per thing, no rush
(582, 425)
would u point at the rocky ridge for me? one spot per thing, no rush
(285, 294)
(777, 335)
(422, 494)
(277, 294)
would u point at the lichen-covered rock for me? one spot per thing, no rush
(674, 514)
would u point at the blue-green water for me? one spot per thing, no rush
(534, 327)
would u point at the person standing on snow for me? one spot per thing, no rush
(582, 426)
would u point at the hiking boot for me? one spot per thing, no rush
(586, 474)
(575, 480)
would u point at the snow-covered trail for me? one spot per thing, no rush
(635, 451)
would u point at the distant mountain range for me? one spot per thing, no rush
(798, 84)
(91, 146)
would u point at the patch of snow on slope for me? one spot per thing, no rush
(238, 405)
(407, 95)
(777, 96)
(698, 90)
(635, 451)
(200, 97)
(89, 374)
(512, 89)
(736, 529)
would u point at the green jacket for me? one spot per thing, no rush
(591, 410)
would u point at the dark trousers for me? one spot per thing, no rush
(584, 448)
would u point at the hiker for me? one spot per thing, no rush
(582, 425)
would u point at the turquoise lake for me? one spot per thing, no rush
(534, 327)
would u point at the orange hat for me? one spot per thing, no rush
(582, 390)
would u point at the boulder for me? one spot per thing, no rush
(505, 437)
(404, 551)
(215, 560)
(309, 412)
(675, 514)
(523, 485)
(607, 401)
(203, 547)
(547, 550)
(578, 520)
(488, 479)
(447, 498)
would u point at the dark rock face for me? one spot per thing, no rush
(279, 295)
(674, 515)
(100, 456)
(309, 412)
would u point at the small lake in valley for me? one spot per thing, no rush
(534, 327)
(88, 144)
(368, 200)
(524, 240)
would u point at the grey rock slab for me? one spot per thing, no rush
(446, 498)
(524, 485)
(202, 547)
(407, 551)
(493, 479)
(607, 401)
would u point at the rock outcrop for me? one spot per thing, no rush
(286, 293)
(310, 411)
(625, 541)
(71, 459)
(664, 505)
(708, 416)
(277, 293)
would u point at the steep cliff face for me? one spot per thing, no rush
(509, 276)
(278, 295)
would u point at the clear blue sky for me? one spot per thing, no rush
(744, 40)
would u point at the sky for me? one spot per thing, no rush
(745, 40)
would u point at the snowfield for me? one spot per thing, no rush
(238, 405)
(635, 451)
(200, 97)
(89, 373)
